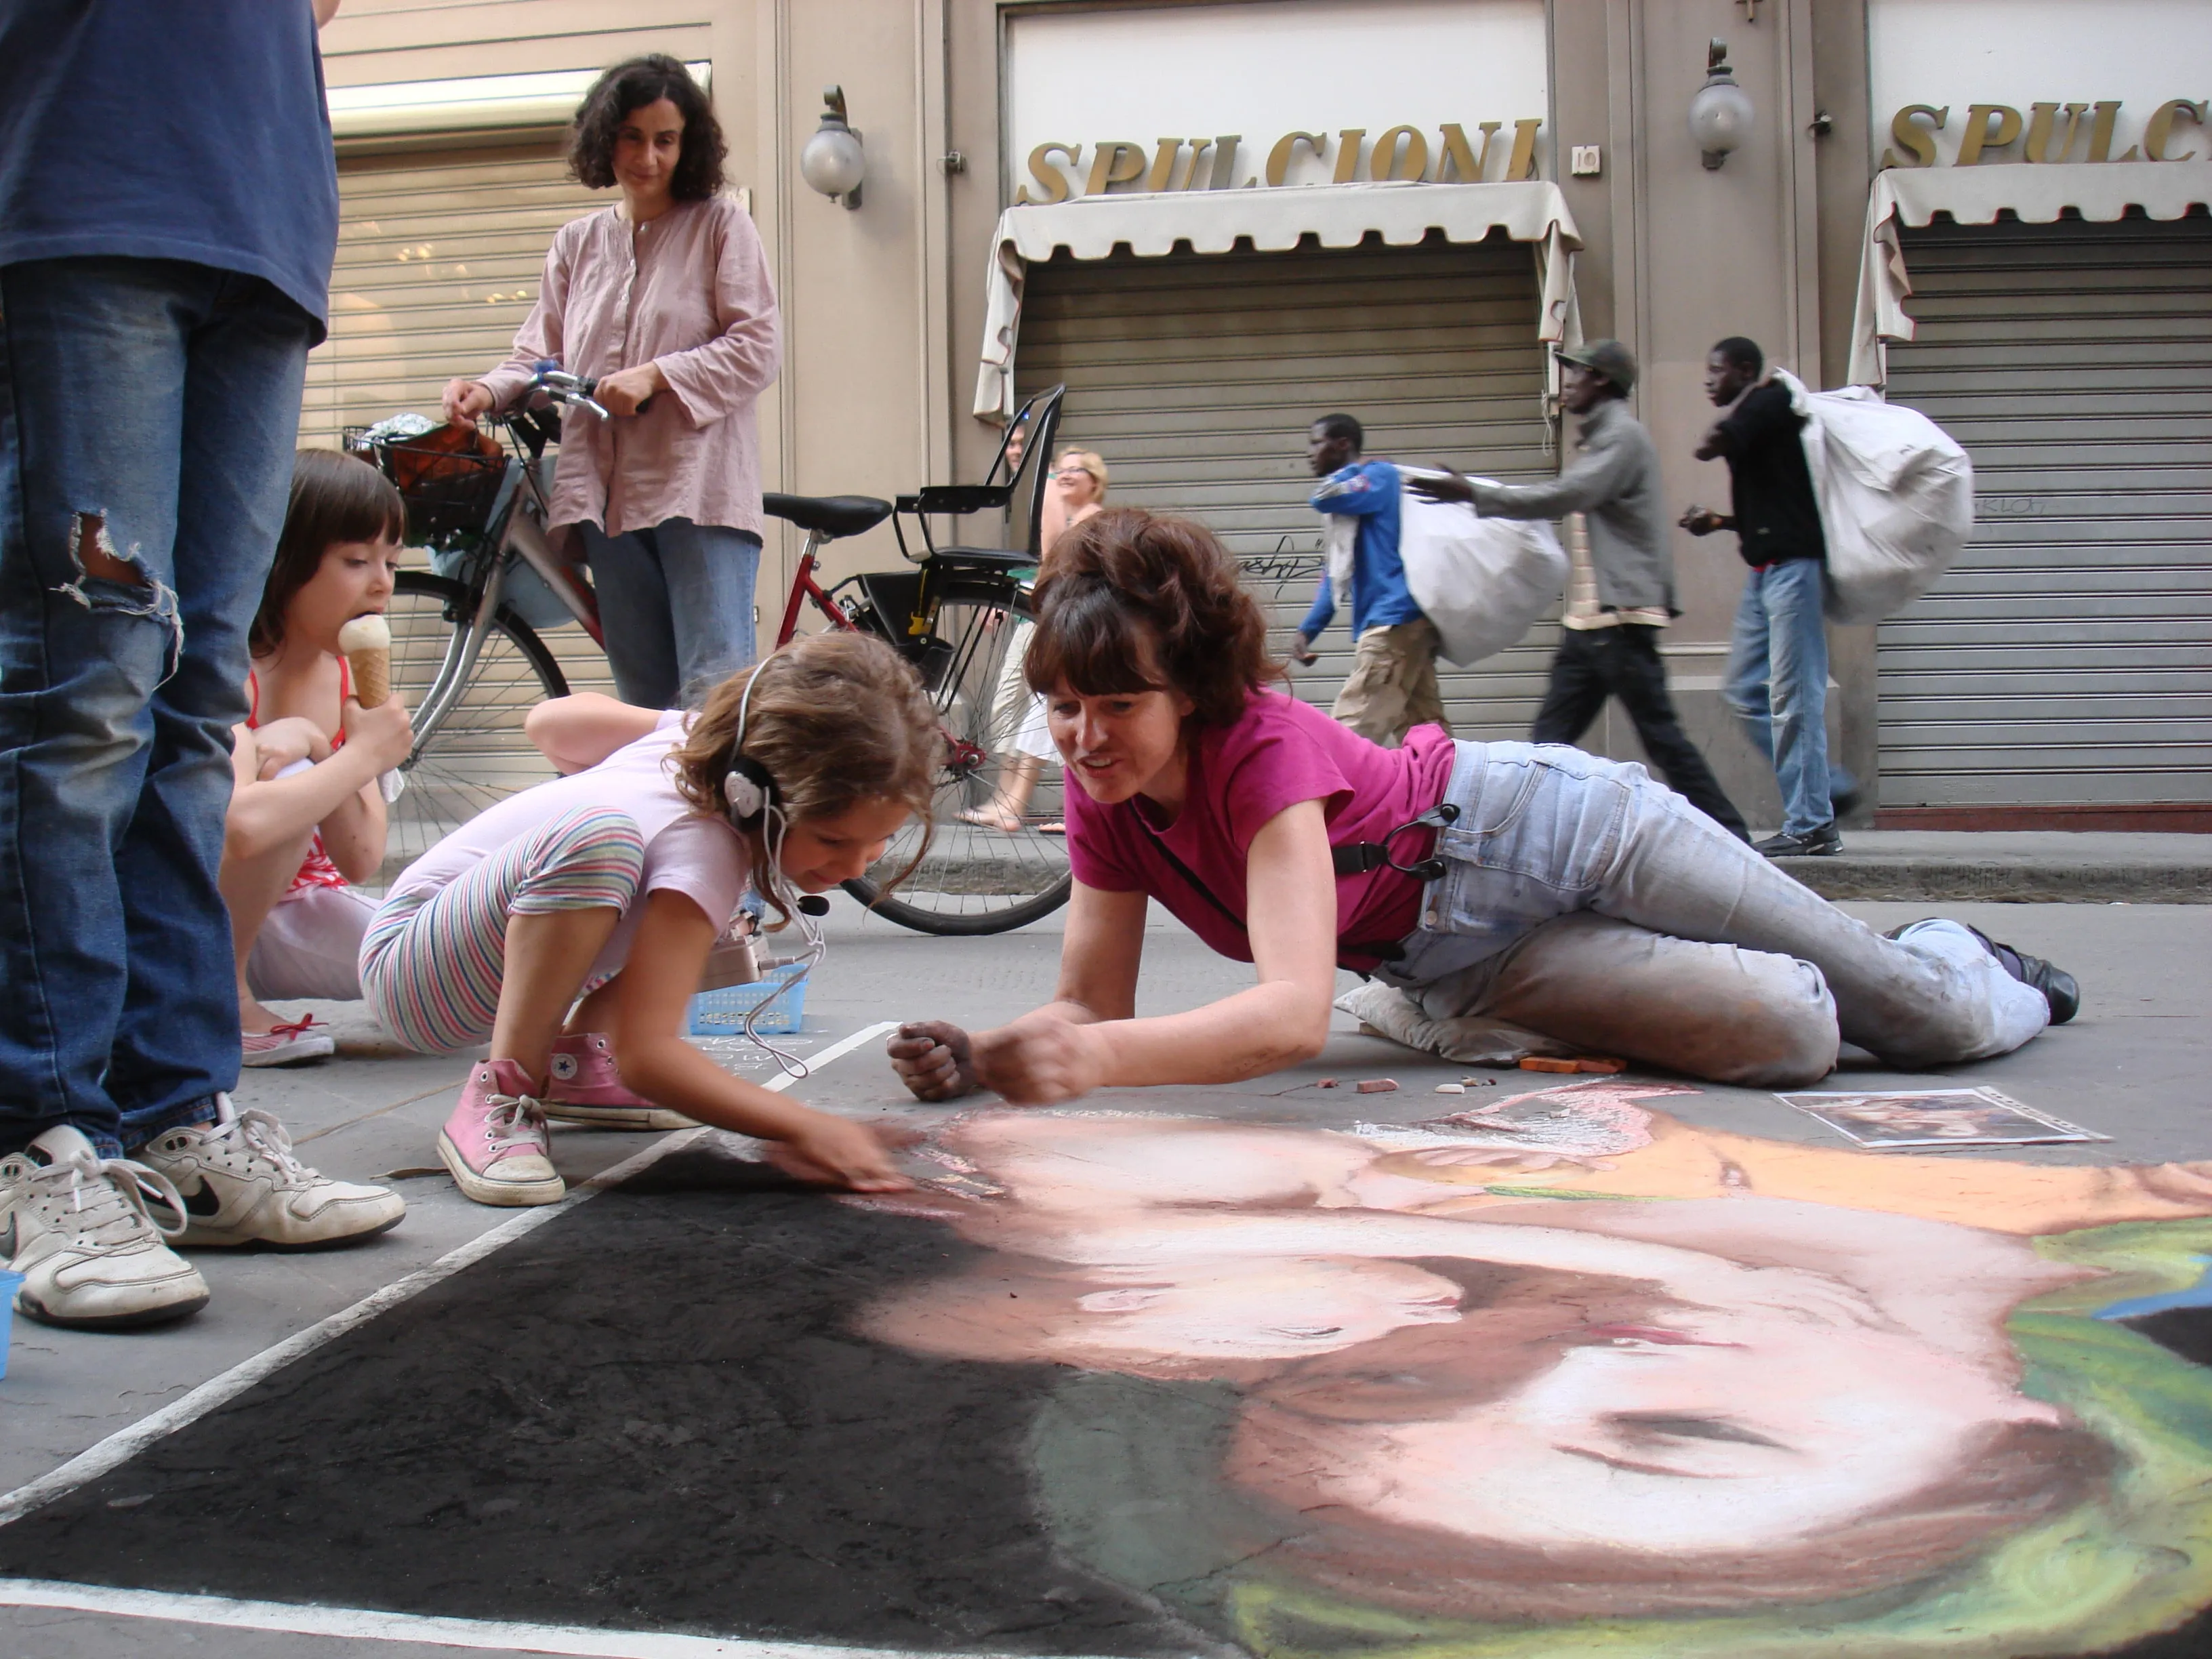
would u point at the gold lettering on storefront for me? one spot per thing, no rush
(1286, 147)
(2052, 130)
(1400, 154)
(2162, 128)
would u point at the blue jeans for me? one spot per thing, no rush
(675, 602)
(1777, 684)
(147, 409)
(1550, 841)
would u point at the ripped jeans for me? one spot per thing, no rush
(1585, 899)
(148, 414)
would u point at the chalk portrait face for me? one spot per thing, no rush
(1701, 1433)
(1583, 1408)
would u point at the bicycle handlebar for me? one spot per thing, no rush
(563, 387)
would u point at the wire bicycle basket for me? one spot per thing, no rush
(450, 478)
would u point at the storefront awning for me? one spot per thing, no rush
(1211, 222)
(2037, 194)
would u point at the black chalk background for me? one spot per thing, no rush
(652, 1414)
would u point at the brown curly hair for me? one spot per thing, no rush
(630, 86)
(838, 719)
(1126, 593)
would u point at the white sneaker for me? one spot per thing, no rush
(76, 1225)
(239, 1184)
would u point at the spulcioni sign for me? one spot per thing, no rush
(2048, 132)
(1058, 170)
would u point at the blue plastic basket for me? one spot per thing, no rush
(781, 996)
(8, 1282)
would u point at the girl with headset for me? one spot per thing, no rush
(613, 884)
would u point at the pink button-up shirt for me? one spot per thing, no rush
(690, 291)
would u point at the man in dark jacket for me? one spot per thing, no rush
(1621, 585)
(1778, 674)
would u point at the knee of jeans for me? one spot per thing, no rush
(1786, 1037)
(1746, 700)
(115, 585)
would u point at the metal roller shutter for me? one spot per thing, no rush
(1197, 376)
(439, 257)
(2068, 656)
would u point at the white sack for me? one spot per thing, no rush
(1484, 582)
(1896, 495)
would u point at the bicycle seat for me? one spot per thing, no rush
(829, 516)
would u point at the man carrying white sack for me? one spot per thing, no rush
(1392, 687)
(1621, 586)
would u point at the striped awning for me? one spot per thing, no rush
(1213, 221)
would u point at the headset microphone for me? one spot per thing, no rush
(813, 904)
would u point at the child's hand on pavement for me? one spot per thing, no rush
(932, 1059)
(835, 1152)
(384, 733)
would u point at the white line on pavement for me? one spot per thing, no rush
(361, 1624)
(126, 1444)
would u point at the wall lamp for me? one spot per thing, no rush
(833, 161)
(1721, 113)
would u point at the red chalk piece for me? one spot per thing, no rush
(1378, 1085)
(1592, 1063)
(1541, 1063)
(1325, 1082)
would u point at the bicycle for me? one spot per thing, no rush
(471, 663)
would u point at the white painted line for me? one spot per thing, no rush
(126, 1444)
(364, 1624)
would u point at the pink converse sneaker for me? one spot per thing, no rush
(494, 1141)
(585, 1088)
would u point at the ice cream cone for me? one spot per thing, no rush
(367, 643)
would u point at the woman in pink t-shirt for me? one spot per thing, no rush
(1575, 898)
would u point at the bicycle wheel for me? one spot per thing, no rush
(478, 754)
(975, 878)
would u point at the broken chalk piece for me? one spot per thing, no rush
(1479, 1082)
(1378, 1085)
(1594, 1063)
(1544, 1063)
(1451, 1088)
(1325, 1082)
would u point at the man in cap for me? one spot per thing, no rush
(1621, 583)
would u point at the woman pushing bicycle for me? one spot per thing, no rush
(1570, 895)
(664, 298)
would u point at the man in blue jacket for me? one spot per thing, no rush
(1392, 684)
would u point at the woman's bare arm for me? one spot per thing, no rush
(1099, 955)
(577, 733)
(1290, 901)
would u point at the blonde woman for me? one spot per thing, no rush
(1076, 490)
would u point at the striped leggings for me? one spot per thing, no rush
(431, 964)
